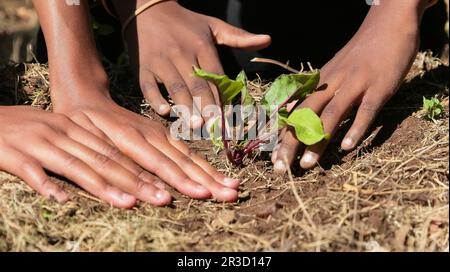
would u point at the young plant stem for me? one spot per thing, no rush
(255, 143)
(285, 66)
(252, 144)
(226, 146)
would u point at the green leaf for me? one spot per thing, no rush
(308, 126)
(282, 116)
(247, 101)
(433, 108)
(287, 88)
(228, 88)
(216, 134)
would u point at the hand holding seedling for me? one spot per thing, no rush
(366, 72)
(168, 40)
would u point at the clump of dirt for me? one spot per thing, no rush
(390, 194)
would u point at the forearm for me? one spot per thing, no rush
(409, 12)
(73, 57)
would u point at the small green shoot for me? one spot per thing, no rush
(284, 90)
(433, 108)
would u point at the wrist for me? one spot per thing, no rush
(402, 17)
(74, 88)
(410, 11)
(125, 9)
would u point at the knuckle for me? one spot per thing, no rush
(101, 161)
(177, 87)
(72, 162)
(63, 118)
(126, 130)
(202, 43)
(175, 51)
(330, 109)
(237, 31)
(41, 127)
(161, 165)
(370, 107)
(199, 87)
(190, 153)
(112, 152)
(186, 160)
(141, 173)
(148, 87)
(146, 68)
(284, 146)
(27, 166)
(139, 186)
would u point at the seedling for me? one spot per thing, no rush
(285, 89)
(433, 108)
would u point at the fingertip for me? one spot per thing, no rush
(309, 160)
(162, 198)
(60, 196)
(348, 143)
(56, 193)
(227, 195)
(200, 192)
(122, 200)
(259, 41)
(279, 167)
(231, 183)
(265, 39)
(274, 156)
(163, 109)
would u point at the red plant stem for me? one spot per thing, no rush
(250, 147)
(251, 143)
(226, 147)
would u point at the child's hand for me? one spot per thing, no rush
(365, 73)
(32, 140)
(150, 144)
(170, 40)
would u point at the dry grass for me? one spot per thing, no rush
(391, 194)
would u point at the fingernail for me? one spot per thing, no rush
(347, 142)
(126, 197)
(160, 194)
(164, 108)
(231, 182)
(228, 194)
(201, 189)
(308, 158)
(279, 166)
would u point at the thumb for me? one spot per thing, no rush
(226, 34)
